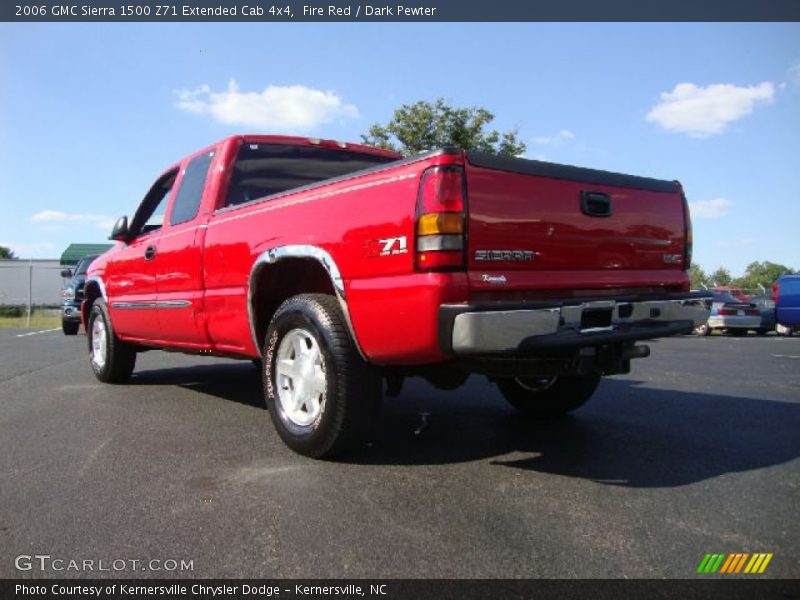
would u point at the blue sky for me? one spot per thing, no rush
(91, 113)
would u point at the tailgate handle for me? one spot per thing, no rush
(596, 204)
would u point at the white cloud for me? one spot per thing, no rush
(742, 243)
(49, 218)
(710, 209)
(557, 139)
(705, 111)
(275, 108)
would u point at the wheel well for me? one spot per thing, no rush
(282, 280)
(91, 292)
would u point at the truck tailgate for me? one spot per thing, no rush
(535, 225)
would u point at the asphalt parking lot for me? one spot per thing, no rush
(695, 451)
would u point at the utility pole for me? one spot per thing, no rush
(30, 289)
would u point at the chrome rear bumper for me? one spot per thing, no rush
(470, 330)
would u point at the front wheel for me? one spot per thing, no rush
(545, 398)
(321, 394)
(112, 360)
(70, 327)
(703, 329)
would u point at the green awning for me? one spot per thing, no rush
(75, 252)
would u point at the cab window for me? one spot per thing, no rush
(266, 169)
(150, 214)
(190, 192)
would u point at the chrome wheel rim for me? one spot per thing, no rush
(301, 379)
(98, 342)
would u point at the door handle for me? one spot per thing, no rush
(596, 204)
(150, 253)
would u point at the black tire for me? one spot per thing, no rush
(343, 412)
(119, 358)
(761, 331)
(703, 329)
(70, 327)
(563, 395)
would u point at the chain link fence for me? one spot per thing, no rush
(30, 284)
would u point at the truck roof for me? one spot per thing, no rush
(310, 141)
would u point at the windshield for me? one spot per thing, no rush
(83, 265)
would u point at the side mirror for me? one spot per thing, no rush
(120, 231)
(66, 273)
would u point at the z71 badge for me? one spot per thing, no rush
(504, 255)
(386, 247)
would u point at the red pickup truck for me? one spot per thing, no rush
(337, 267)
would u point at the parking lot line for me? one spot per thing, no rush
(38, 332)
(785, 356)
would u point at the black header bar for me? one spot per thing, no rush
(397, 10)
(398, 589)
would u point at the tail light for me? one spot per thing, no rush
(441, 220)
(753, 312)
(727, 312)
(687, 232)
(776, 291)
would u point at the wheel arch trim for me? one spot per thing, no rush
(91, 281)
(99, 281)
(273, 256)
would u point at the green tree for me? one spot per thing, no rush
(762, 273)
(698, 277)
(424, 126)
(6, 252)
(721, 276)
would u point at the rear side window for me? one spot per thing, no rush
(187, 200)
(266, 169)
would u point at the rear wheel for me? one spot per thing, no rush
(70, 327)
(703, 329)
(112, 360)
(543, 398)
(321, 395)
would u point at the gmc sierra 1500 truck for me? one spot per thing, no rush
(337, 267)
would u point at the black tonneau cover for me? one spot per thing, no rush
(556, 171)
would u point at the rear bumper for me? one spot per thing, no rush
(735, 322)
(537, 327)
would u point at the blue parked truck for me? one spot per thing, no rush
(72, 295)
(786, 292)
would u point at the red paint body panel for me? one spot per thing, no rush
(572, 249)
(204, 265)
(401, 312)
(129, 277)
(340, 218)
